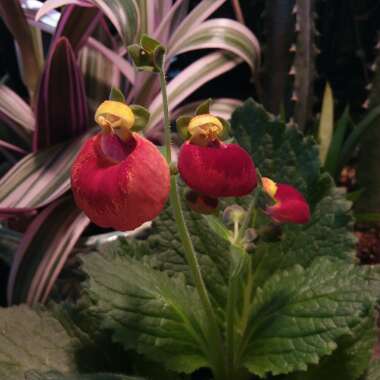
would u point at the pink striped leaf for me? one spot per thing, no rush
(122, 64)
(123, 14)
(16, 114)
(49, 6)
(38, 179)
(194, 76)
(12, 147)
(61, 105)
(148, 15)
(170, 20)
(31, 65)
(77, 24)
(200, 13)
(99, 74)
(43, 251)
(222, 34)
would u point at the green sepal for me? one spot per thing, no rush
(142, 117)
(116, 95)
(148, 55)
(182, 123)
(226, 128)
(204, 107)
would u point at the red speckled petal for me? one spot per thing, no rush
(291, 207)
(223, 170)
(124, 189)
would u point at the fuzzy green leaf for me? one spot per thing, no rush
(298, 315)
(350, 359)
(58, 376)
(163, 251)
(281, 153)
(33, 340)
(147, 311)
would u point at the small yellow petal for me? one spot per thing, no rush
(112, 114)
(269, 186)
(205, 125)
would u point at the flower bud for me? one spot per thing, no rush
(290, 206)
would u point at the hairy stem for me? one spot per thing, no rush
(216, 350)
(166, 117)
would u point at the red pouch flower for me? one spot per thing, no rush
(211, 167)
(290, 205)
(119, 179)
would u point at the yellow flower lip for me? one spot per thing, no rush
(116, 117)
(206, 126)
(270, 187)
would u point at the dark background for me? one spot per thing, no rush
(348, 33)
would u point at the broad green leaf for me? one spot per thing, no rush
(280, 152)
(222, 34)
(350, 360)
(299, 314)
(328, 234)
(163, 251)
(53, 375)
(31, 339)
(38, 261)
(39, 178)
(190, 79)
(147, 311)
(326, 123)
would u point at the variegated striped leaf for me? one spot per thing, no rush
(39, 178)
(43, 251)
(16, 114)
(190, 79)
(62, 112)
(99, 74)
(222, 34)
(77, 24)
(31, 64)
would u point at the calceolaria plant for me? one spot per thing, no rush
(248, 272)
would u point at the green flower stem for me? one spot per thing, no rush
(214, 335)
(166, 116)
(230, 336)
